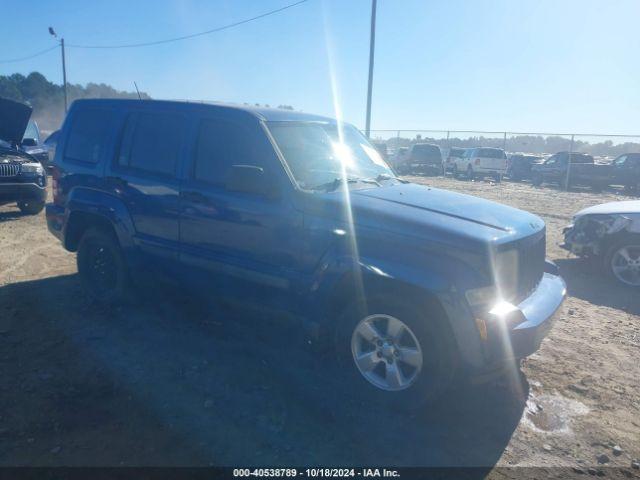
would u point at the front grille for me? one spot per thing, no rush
(532, 253)
(9, 169)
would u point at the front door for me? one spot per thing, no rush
(248, 243)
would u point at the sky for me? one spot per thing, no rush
(517, 65)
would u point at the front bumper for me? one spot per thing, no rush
(22, 191)
(516, 331)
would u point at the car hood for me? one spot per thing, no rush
(430, 214)
(420, 199)
(14, 117)
(631, 206)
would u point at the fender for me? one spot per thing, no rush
(107, 206)
(339, 274)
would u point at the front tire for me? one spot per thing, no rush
(31, 207)
(622, 261)
(102, 267)
(394, 353)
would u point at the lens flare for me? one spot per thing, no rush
(341, 154)
(499, 312)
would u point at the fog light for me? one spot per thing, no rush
(482, 328)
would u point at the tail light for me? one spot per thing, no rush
(55, 185)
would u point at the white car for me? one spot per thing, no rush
(610, 232)
(481, 162)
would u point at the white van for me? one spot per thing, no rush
(481, 162)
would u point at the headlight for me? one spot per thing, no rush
(482, 296)
(505, 273)
(505, 281)
(32, 168)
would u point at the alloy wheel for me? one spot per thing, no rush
(625, 264)
(386, 352)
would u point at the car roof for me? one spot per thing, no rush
(261, 113)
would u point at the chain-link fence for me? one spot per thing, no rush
(604, 149)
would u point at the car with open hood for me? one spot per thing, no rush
(291, 211)
(22, 177)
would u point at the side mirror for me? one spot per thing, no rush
(29, 142)
(250, 179)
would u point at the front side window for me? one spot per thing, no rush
(317, 153)
(220, 146)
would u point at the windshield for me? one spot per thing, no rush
(32, 131)
(315, 154)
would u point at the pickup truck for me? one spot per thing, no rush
(296, 212)
(22, 177)
(423, 158)
(625, 170)
(583, 171)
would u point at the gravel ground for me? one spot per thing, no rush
(174, 380)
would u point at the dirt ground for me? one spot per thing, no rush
(179, 381)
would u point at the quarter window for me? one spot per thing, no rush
(88, 135)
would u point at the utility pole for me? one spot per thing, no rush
(372, 45)
(64, 74)
(64, 67)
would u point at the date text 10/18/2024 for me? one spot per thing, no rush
(316, 472)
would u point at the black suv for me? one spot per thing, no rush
(22, 177)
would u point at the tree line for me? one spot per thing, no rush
(47, 99)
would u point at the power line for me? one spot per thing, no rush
(42, 52)
(193, 35)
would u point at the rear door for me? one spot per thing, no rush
(144, 174)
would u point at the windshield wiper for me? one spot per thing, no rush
(338, 181)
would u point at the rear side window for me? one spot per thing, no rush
(88, 136)
(490, 153)
(220, 145)
(151, 142)
(427, 152)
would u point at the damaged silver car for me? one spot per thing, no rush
(611, 233)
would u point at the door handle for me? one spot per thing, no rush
(195, 197)
(118, 181)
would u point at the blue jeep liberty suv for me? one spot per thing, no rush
(299, 212)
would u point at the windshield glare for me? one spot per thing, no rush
(316, 156)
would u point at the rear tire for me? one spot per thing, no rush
(102, 267)
(31, 207)
(418, 350)
(536, 179)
